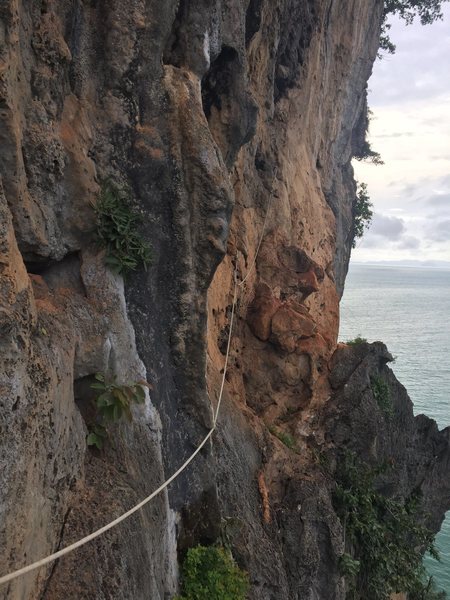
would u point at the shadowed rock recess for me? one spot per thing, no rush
(217, 116)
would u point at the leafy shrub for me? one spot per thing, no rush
(348, 566)
(356, 341)
(116, 231)
(113, 402)
(97, 436)
(362, 212)
(384, 535)
(210, 573)
(382, 395)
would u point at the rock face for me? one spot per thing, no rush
(416, 449)
(232, 123)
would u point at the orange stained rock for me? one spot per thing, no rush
(261, 311)
(267, 518)
(307, 283)
(289, 327)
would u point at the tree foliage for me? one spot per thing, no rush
(427, 11)
(362, 212)
(384, 538)
(368, 154)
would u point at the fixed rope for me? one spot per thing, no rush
(253, 263)
(95, 534)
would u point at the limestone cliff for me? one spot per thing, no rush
(229, 121)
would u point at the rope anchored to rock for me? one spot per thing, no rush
(95, 534)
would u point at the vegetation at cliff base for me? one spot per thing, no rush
(117, 233)
(383, 536)
(210, 573)
(362, 212)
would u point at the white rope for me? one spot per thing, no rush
(253, 264)
(227, 355)
(108, 526)
(98, 532)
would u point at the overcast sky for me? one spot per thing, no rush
(410, 98)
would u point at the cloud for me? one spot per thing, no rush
(396, 134)
(435, 207)
(432, 122)
(439, 201)
(410, 95)
(407, 76)
(445, 157)
(370, 242)
(409, 242)
(411, 188)
(439, 232)
(390, 228)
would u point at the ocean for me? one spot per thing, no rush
(409, 310)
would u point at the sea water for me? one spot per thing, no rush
(409, 310)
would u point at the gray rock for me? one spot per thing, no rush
(213, 115)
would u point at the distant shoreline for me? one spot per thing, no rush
(402, 265)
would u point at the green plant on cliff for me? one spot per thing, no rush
(362, 212)
(116, 231)
(113, 402)
(210, 573)
(384, 538)
(285, 438)
(382, 395)
(365, 152)
(427, 11)
(428, 591)
(356, 341)
(362, 150)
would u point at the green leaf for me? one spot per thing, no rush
(105, 399)
(116, 231)
(94, 440)
(120, 395)
(139, 394)
(117, 412)
(210, 573)
(108, 412)
(98, 386)
(129, 392)
(128, 413)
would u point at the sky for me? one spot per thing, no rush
(409, 95)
